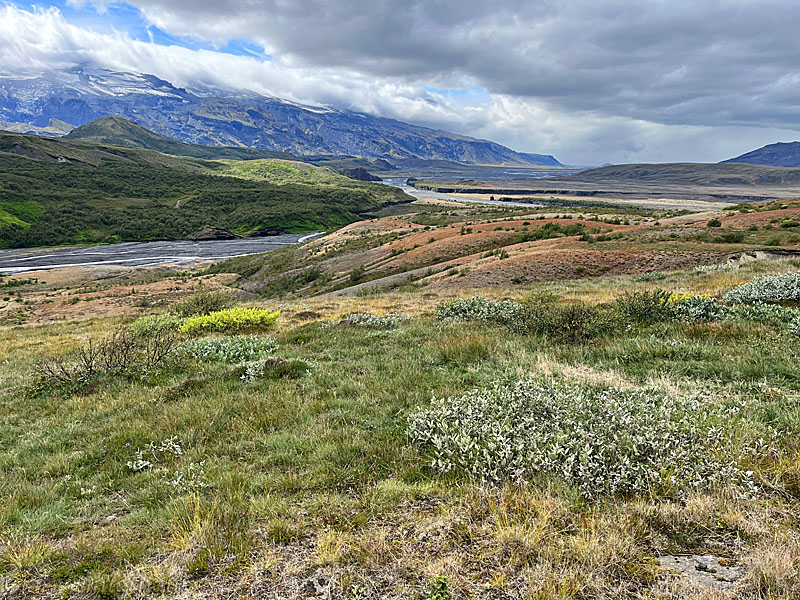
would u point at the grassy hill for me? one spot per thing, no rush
(64, 192)
(58, 150)
(122, 132)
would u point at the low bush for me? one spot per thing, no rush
(652, 276)
(715, 268)
(794, 326)
(478, 308)
(275, 368)
(699, 309)
(602, 441)
(774, 314)
(644, 307)
(233, 350)
(770, 288)
(122, 353)
(155, 324)
(369, 321)
(202, 302)
(233, 320)
(569, 322)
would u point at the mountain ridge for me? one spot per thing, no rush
(780, 154)
(123, 132)
(205, 117)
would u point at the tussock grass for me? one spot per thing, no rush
(313, 481)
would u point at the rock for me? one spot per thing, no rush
(213, 233)
(267, 231)
(708, 571)
(360, 174)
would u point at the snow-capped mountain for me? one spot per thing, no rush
(232, 118)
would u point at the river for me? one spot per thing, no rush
(142, 254)
(182, 254)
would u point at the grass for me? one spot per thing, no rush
(306, 476)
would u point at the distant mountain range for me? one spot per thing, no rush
(692, 174)
(782, 154)
(44, 103)
(121, 132)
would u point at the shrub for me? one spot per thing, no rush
(698, 309)
(121, 353)
(715, 267)
(234, 350)
(766, 313)
(714, 223)
(599, 440)
(233, 320)
(771, 288)
(368, 321)
(731, 237)
(648, 306)
(794, 326)
(652, 276)
(202, 302)
(571, 323)
(275, 368)
(155, 324)
(478, 308)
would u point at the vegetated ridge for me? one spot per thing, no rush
(122, 132)
(56, 191)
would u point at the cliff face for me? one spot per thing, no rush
(227, 118)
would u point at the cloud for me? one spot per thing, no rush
(589, 81)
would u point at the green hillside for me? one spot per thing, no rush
(63, 192)
(122, 132)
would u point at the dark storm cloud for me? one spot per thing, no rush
(702, 63)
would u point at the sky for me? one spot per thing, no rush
(589, 81)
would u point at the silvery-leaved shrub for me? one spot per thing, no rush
(715, 268)
(602, 441)
(369, 321)
(651, 276)
(698, 309)
(503, 312)
(234, 349)
(794, 326)
(770, 288)
(773, 314)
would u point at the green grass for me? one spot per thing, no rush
(47, 203)
(311, 466)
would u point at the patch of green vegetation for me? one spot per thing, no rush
(204, 470)
(50, 203)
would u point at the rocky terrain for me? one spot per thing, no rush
(233, 118)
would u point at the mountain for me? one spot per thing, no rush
(782, 154)
(721, 174)
(233, 118)
(63, 151)
(121, 132)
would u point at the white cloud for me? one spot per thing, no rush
(622, 91)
